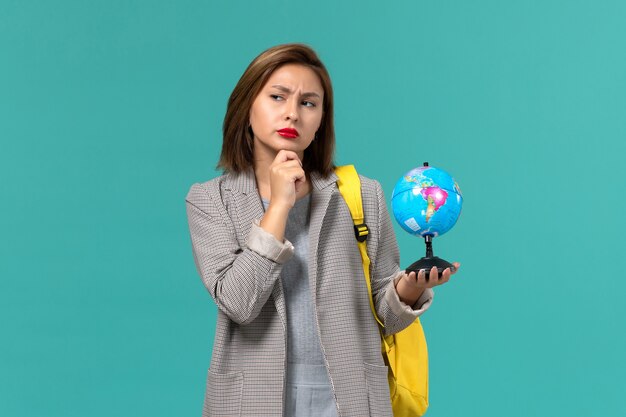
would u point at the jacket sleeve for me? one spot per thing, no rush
(240, 279)
(394, 314)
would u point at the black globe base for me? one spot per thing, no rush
(428, 261)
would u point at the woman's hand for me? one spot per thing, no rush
(411, 286)
(286, 178)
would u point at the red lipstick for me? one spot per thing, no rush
(288, 133)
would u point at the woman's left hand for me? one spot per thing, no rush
(411, 286)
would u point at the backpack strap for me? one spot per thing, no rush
(349, 186)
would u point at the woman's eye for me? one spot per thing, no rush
(276, 97)
(308, 103)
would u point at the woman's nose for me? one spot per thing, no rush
(291, 112)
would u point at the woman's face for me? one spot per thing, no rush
(287, 112)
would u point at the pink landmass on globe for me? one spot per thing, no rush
(436, 197)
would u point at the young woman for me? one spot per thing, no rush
(274, 243)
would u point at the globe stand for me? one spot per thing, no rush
(428, 261)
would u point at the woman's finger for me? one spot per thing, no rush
(433, 277)
(445, 276)
(277, 168)
(421, 278)
(285, 155)
(293, 173)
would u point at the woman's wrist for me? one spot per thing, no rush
(408, 293)
(275, 220)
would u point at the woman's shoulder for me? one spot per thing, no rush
(371, 190)
(368, 181)
(370, 187)
(201, 188)
(200, 193)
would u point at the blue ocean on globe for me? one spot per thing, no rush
(426, 201)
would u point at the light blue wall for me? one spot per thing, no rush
(110, 110)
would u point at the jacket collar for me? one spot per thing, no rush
(319, 182)
(245, 182)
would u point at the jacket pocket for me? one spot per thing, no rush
(223, 394)
(378, 390)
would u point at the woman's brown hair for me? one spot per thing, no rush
(238, 141)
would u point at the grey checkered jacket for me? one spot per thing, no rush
(240, 265)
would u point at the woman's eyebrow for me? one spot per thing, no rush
(288, 90)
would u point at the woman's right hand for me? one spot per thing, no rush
(286, 178)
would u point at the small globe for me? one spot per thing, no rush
(426, 201)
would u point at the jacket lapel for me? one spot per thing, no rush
(323, 190)
(245, 195)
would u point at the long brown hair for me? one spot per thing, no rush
(238, 141)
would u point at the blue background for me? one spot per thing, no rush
(110, 110)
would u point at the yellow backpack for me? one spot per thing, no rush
(405, 353)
